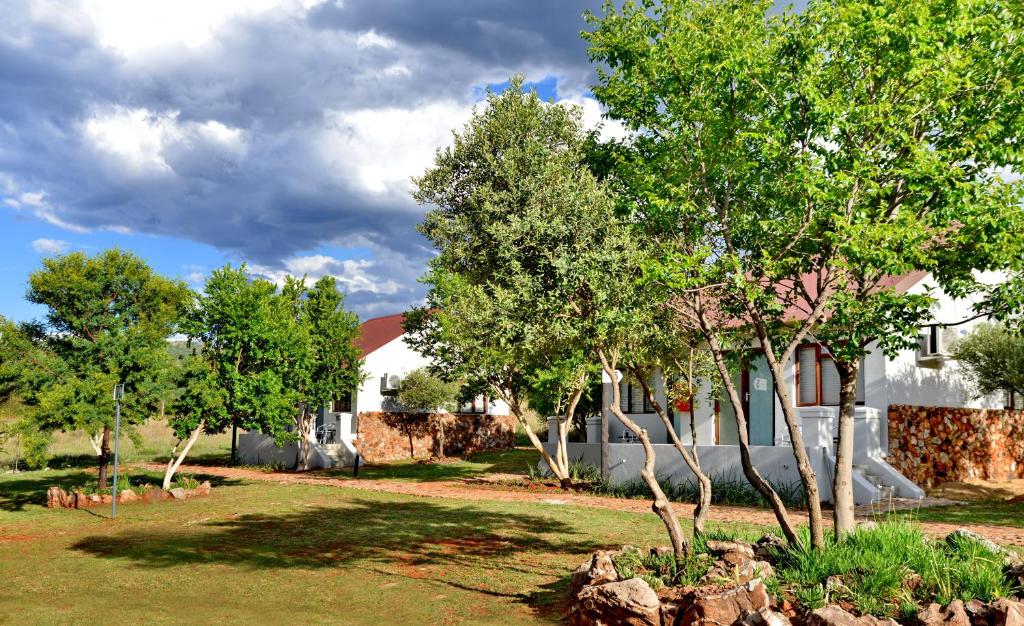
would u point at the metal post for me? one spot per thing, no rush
(118, 396)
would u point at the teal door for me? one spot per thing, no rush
(760, 402)
(727, 433)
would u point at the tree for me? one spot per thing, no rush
(993, 359)
(245, 371)
(801, 156)
(108, 320)
(327, 362)
(421, 391)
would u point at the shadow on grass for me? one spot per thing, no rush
(465, 547)
(512, 461)
(17, 493)
(992, 513)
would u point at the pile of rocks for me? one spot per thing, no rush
(732, 592)
(57, 498)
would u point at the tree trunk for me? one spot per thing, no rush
(563, 436)
(842, 487)
(174, 463)
(96, 441)
(517, 410)
(104, 458)
(661, 505)
(439, 418)
(307, 438)
(703, 480)
(689, 456)
(605, 443)
(234, 442)
(753, 476)
(803, 460)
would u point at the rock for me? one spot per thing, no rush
(629, 603)
(722, 572)
(835, 616)
(969, 534)
(204, 488)
(980, 613)
(768, 546)
(57, 498)
(662, 551)
(953, 615)
(178, 493)
(126, 496)
(722, 547)
(106, 498)
(597, 571)
(1007, 612)
(714, 606)
(765, 617)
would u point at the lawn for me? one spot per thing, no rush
(272, 553)
(514, 461)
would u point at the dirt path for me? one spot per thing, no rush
(460, 490)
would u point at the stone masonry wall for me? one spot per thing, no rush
(391, 436)
(930, 445)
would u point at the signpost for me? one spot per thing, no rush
(118, 396)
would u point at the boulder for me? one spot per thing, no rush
(835, 616)
(720, 548)
(597, 571)
(718, 606)
(628, 603)
(980, 613)
(107, 498)
(766, 547)
(127, 496)
(204, 488)
(1007, 612)
(178, 493)
(57, 498)
(765, 617)
(723, 572)
(955, 614)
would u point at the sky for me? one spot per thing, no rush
(278, 133)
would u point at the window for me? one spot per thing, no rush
(818, 378)
(476, 405)
(342, 404)
(632, 399)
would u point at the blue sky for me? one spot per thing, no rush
(279, 133)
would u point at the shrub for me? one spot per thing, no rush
(187, 481)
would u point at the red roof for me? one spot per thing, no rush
(380, 330)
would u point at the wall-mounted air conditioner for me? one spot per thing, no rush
(389, 383)
(935, 345)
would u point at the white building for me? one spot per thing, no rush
(922, 377)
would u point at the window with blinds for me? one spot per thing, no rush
(829, 383)
(807, 374)
(632, 399)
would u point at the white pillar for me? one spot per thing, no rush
(553, 429)
(867, 433)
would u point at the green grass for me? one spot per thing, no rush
(514, 461)
(270, 553)
(993, 512)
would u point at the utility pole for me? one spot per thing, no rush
(118, 396)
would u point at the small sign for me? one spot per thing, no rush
(760, 384)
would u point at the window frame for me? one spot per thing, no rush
(821, 355)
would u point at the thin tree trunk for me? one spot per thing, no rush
(803, 460)
(95, 441)
(753, 476)
(307, 440)
(517, 411)
(703, 480)
(563, 435)
(661, 505)
(689, 456)
(104, 458)
(842, 487)
(605, 442)
(440, 435)
(174, 463)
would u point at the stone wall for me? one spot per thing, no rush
(391, 436)
(930, 445)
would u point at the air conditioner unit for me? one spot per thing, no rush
(389, 384)
(936, 344)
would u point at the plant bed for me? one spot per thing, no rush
(882, 574)
(56, 497)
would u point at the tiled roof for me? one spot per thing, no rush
(378, 331)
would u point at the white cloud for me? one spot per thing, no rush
(381, 149)
(370, 39)
(352, 275)
(141, 138)
(50, 246)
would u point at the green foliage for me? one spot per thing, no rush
(422, 391)
(187, 481)
(726, 490)
(33, 445)
(874, 564)
(993, 358)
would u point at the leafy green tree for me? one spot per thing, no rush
(801, 156)
(250, 344)
(533, 267)
(327, 365)
(423, 392)
(108, 320)
(993, 358)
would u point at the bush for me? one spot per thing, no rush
(876, 565)
(34, 445)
